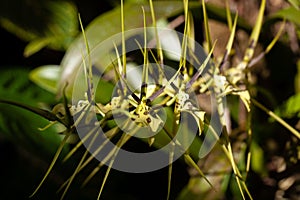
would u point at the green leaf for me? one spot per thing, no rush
(46, 77)
(42, 23)
(291, 14)
(257, 159)
(295, 3)
(291, 108)
(20, 125)
(15, 85)
(36, 45)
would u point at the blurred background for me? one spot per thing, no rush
(34, 33)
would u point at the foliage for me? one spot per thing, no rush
(51, 24)
(226, 171)
(12, 125)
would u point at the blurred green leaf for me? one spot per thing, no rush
(36, 45)
(291, 14)
(16, 86)
(295, 3)
(257, 159)
(42, 23)
(253, 40)
(46, 77)
(291, 108)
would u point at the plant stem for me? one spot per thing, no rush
(277, 118)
